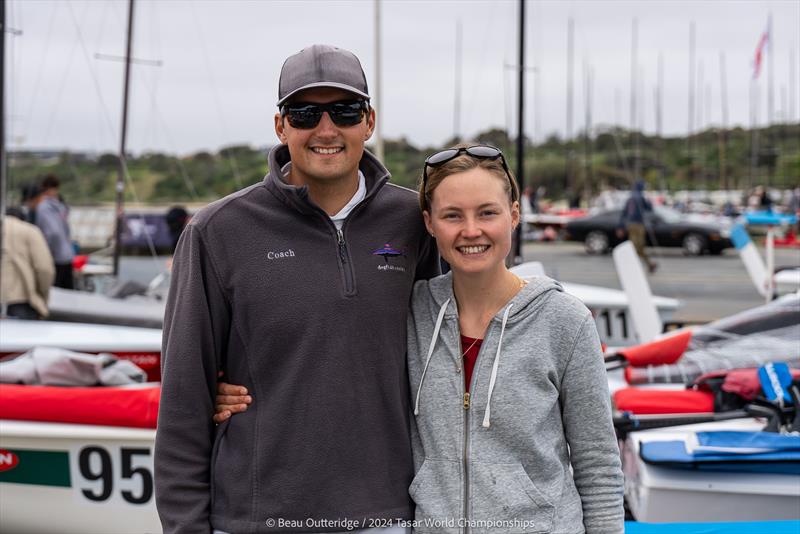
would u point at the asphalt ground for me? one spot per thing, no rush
(709, 287)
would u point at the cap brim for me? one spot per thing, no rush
(343, 86)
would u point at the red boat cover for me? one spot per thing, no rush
(662, 351)
(107, 406)
(658, 401)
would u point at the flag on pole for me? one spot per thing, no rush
(763, 42)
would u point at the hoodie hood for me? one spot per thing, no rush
(525, 302)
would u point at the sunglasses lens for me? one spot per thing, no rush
(483, 152)
(304, 116)
(346, 113)
(307, 116)
(441, 157)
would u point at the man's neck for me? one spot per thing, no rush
(330, 196)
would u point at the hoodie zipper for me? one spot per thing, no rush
(467, 403)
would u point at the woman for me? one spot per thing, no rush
(513, 423)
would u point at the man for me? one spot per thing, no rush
(632, 220)
(51, 218)
(27, 269)
(286, 287)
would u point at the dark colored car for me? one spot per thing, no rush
(665, 228)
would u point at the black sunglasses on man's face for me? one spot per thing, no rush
(306, 115)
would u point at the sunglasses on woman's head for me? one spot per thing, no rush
(477, 151)
(306, 115)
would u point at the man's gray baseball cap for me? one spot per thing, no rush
(322, 66)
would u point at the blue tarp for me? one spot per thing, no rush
(760, 452)
(739, 527)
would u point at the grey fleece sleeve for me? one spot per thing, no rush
(586, 414)
(196, 326)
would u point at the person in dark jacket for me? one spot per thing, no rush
(52, 219)
(297, 288)
(633, 222)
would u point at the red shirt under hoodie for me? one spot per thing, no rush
(470, 347)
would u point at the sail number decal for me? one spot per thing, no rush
(613, 327)
(104, 474)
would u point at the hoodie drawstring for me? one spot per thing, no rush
(439, 320)
(486, 414)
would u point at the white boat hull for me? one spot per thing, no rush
(663, 495)
(97, 480)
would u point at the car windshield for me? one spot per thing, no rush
(669, 215)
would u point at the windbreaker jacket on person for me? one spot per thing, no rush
(314, 325)
(538, 404)
(52, 219)
(27, 266)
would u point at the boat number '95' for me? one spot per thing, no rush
(112, 473)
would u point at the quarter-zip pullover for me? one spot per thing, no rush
(313, 322)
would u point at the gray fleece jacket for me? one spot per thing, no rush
(532, 449)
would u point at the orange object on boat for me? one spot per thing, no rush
(662, 351)
(653, 401)
(135, 407)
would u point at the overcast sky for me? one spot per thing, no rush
(217, 82)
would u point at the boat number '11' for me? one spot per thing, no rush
(112, 473)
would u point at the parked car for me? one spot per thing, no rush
(666, 228)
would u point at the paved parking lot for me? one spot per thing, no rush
(708, 286)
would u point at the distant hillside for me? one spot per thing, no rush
(606, 159)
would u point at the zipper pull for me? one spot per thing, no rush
(340, 240)
(466, 400)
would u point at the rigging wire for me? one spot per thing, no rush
(220, 115)
(38, 80)
(126, 174)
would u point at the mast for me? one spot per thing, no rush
(691, 103)
(570, 94)
(723, 132)
(635, 136)
(457, 88)
(517, 248)
(3, 177)
(378, 85)
(123, 139)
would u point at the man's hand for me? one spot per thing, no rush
(620, 233)
(231, 399)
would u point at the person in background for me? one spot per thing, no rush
(30, 197)
(27, 268)
(176, 218)
(632, 221)
(52, 219)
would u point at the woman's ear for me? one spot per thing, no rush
(515, 216)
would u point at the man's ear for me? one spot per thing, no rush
(370, 124)
(280, 128)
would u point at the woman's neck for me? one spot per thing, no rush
(479, 296)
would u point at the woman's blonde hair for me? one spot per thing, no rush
(462, 163)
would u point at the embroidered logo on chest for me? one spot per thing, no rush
(389, 253)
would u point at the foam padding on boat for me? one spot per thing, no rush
(652, 401)
(673, 454)
(107, 406)
(662, 351)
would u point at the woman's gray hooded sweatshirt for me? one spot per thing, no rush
(499, 459)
